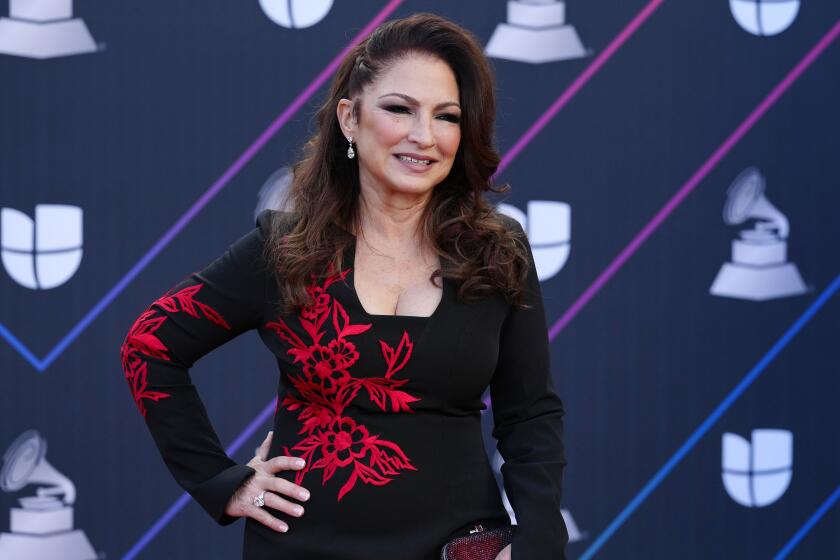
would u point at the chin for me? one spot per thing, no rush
(407, 183)
(412, 185)
(413, 188)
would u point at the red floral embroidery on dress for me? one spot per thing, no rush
(326, 387)
(141, 340)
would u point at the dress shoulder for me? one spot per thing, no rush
(511, 224)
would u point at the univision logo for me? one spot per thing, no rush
(43, 253)
(764, 17)
(548, 225)
(296, 14)
(757, 473)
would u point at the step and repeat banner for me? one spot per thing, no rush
(674, 163)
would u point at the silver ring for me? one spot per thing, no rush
(259, 500)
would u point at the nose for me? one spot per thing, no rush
(421, 133)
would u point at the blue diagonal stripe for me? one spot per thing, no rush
(184, 498)
(20, 347)
(707, 424)
(217, 186)
(809, 524)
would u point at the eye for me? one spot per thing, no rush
(451, 117)
(397, 109)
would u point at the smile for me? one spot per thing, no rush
(409, 159)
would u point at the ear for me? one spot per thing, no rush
(344, 112)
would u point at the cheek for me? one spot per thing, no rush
(388, 131)
(448, 141)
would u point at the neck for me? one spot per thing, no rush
(391, 220)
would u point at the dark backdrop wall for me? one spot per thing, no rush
(701, 421)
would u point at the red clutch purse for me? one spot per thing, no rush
(480, 544)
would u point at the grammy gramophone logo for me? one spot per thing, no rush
(536, 31)
(44, 29)
(42, 527)
(759, 269)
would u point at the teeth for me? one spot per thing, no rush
(412, 160)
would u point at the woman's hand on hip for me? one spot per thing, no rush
(263, 482)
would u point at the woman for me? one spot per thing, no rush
(392, 297)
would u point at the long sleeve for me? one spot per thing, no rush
(202, 312)
(528, 426)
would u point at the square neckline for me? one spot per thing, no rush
(351, 282)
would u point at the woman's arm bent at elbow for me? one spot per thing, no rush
(202, 312)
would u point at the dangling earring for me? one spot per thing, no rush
(351, 153)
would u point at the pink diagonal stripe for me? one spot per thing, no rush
(197, 206)
(695, 179)
(579, 82)
(298, 102)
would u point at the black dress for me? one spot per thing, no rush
(385, 409)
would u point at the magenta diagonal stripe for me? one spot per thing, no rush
(295, 106)
(727, 145)
(197, 206)
(579, 82)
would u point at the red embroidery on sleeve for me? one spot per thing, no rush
(334, 440)
(141, 340)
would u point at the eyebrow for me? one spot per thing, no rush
(413, 101)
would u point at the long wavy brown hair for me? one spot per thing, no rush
(479, 248)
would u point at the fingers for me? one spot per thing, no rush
(284, 463)
(262, 450)
(273, 486)
(288, 488)
(267, 519)
(274, 501)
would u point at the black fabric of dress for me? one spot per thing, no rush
(384, 408)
